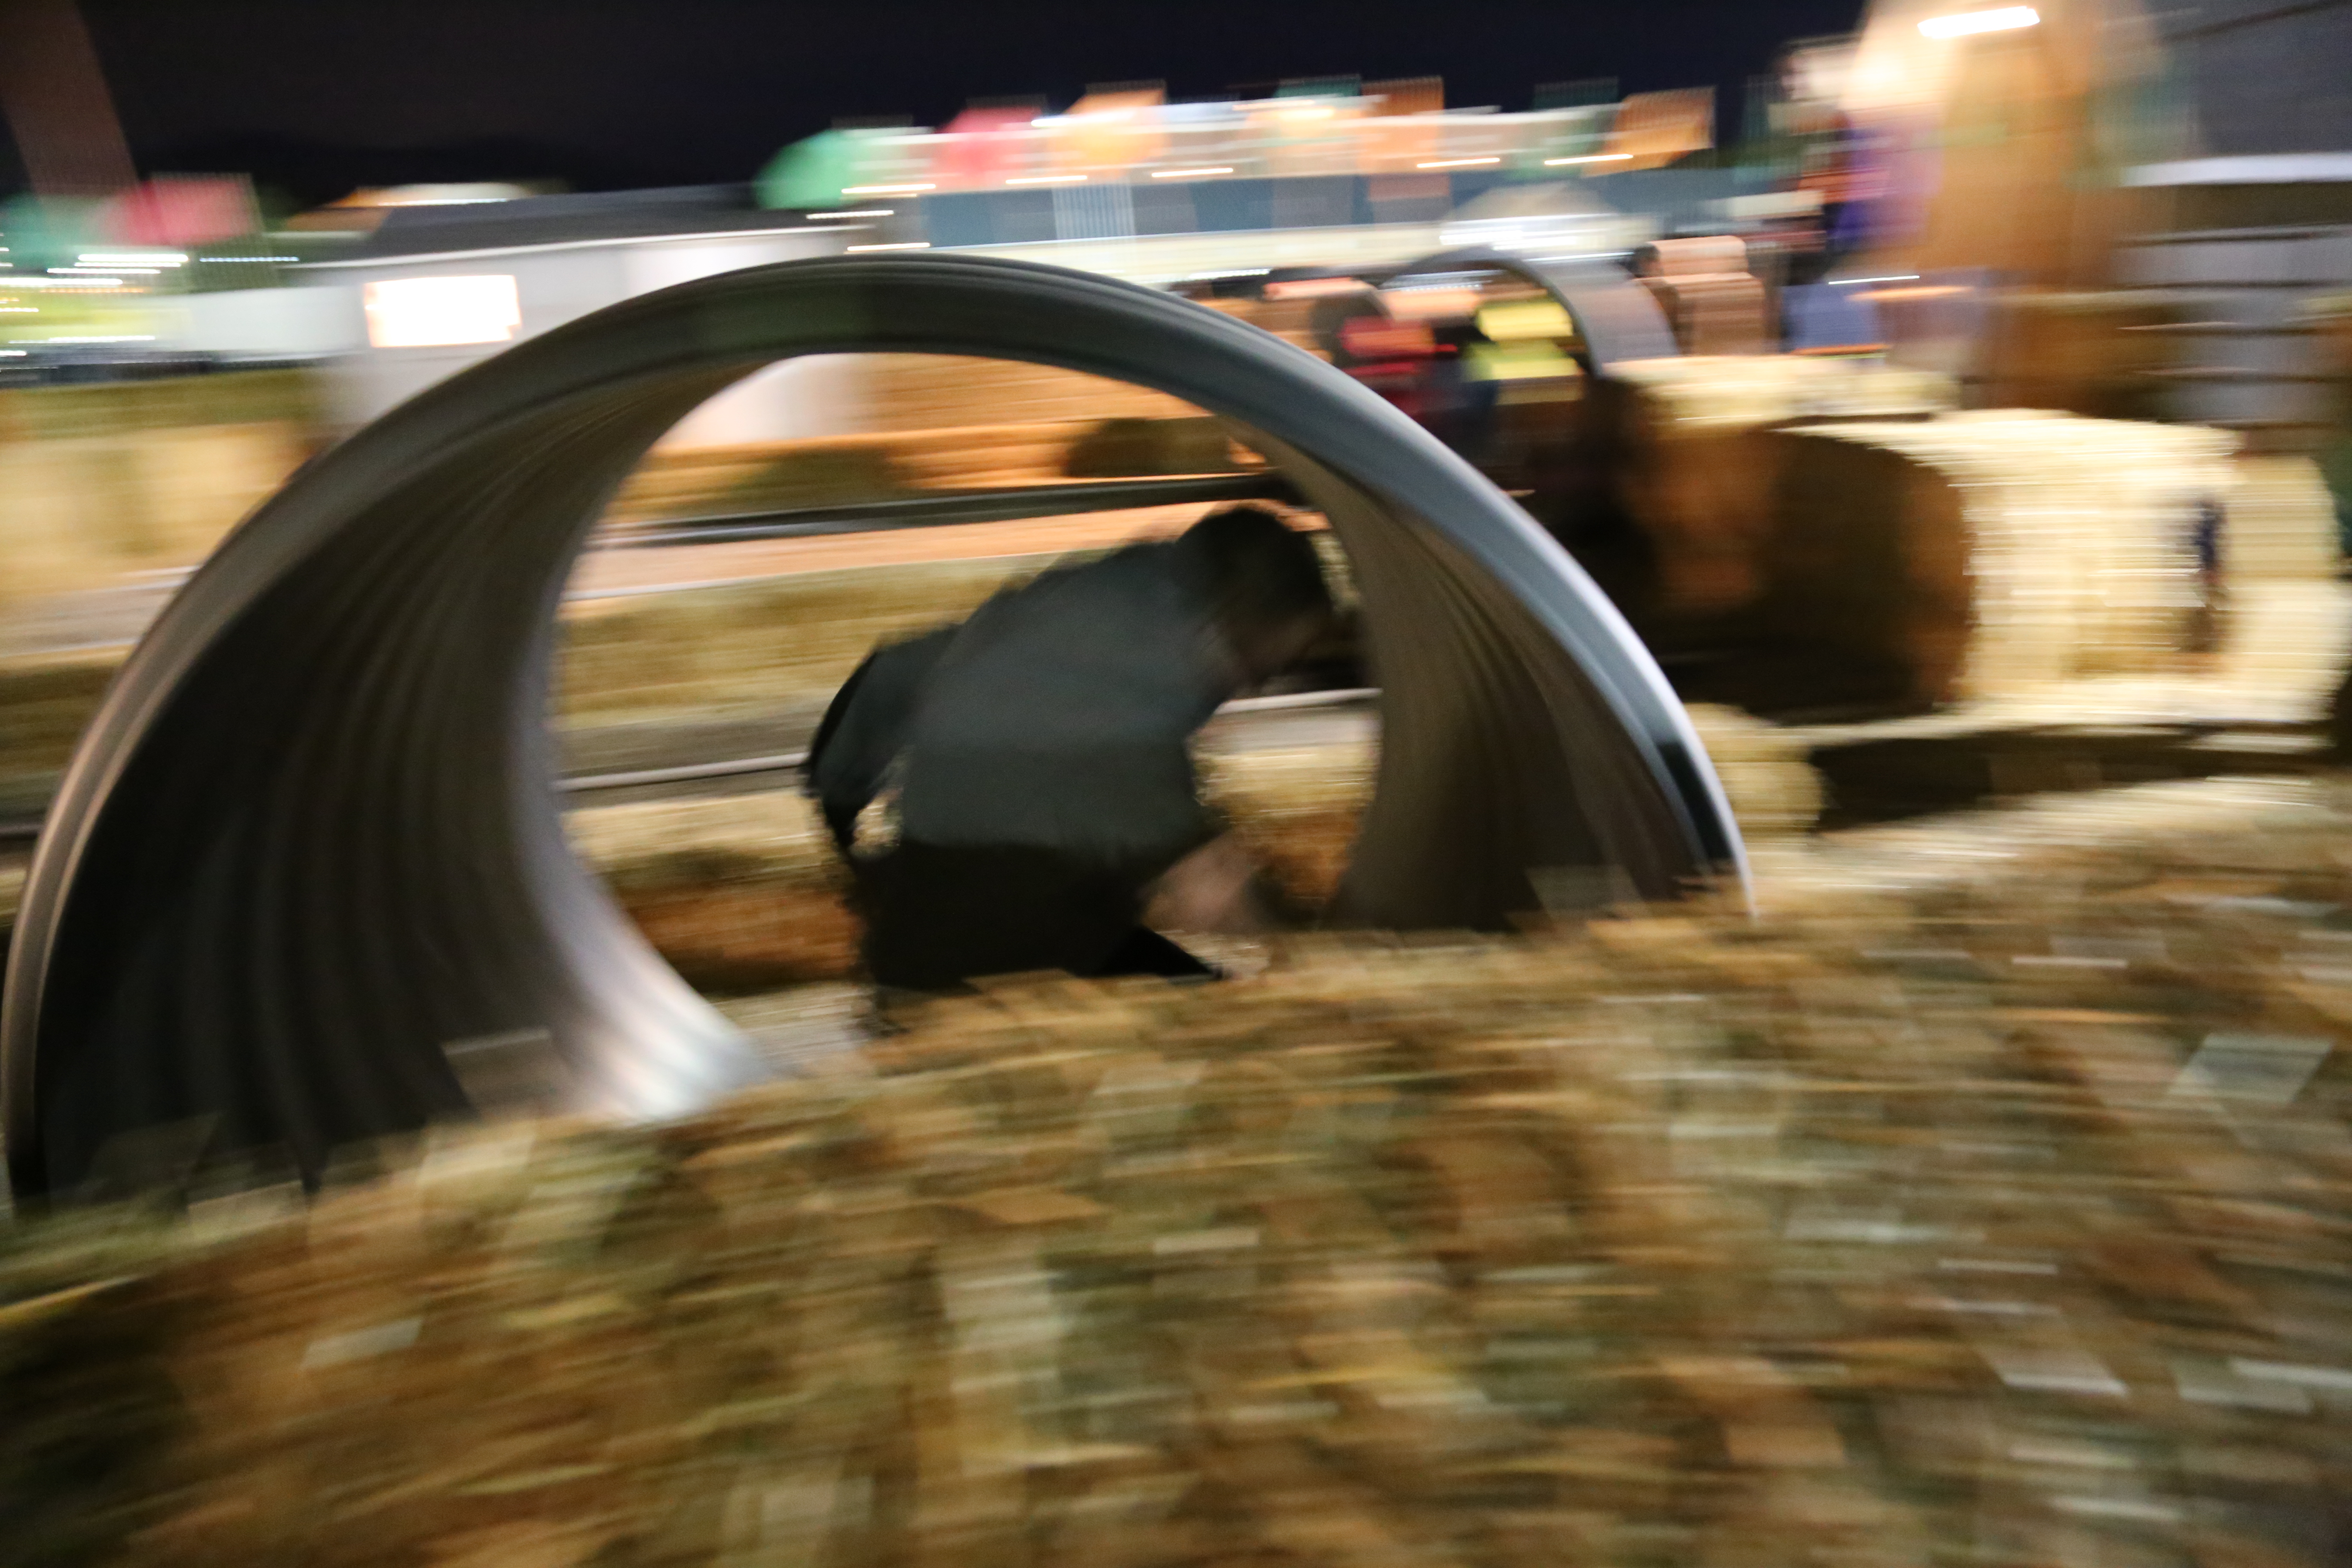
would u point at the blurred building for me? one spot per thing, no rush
(434, 287)
(2265, 76)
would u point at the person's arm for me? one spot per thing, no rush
(1220, 889)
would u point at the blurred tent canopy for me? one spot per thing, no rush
(1654, 129)
(1112, 128)
(812, 172)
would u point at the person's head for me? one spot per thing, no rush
(1271, 602)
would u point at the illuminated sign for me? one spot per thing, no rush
(440, 312)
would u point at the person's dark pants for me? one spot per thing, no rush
(939, 916)
(1146, 951)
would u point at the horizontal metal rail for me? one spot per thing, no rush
(948, 508)
(794, 762)
(685, 773)
(24, 829)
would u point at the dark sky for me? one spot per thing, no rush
(316, 96)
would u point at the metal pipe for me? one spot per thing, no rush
(311, 844)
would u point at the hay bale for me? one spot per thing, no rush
(2287, 643)
(1682, 435)
(68, 503)
(2092, 353)
(935, 391)
(1699, 255)
(199, 481)
(1297, 808)
(701, 481)
(1980, 554)
(1713, 313)
(738, 894)
(2282, 522)
(46, 702)
(1773, 789)
(128, 477)
(746, 892)
(2007, 1211)
(756, 644)
(1118, 448)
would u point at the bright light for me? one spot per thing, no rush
(1317, 288)
(440, 312)
(1190, 173)
(902, 244)
(885, 190)
(1889, 277)
(105, 271)
(1925, 291)
(132, 258)
(860, 212)
(1456, 163)
(1589, 158)
(248, 258)
(1046, 180)
(1963, 23)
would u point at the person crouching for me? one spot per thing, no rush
(1040, 758)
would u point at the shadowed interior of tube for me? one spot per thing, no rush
(309, 849)
(316, 875)
(1488, 726)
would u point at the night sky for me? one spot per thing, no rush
(316, 96)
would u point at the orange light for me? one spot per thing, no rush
(1930, 291)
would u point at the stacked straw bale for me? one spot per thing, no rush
(1988, 553)
(1702, 286)
(2085, 353)
(1696, 473)
(2005, 1222)
(756, 643)
(875, 465)
(2287, 621)
(1764, 769)
(746, 891)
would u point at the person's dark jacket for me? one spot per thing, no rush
(865, 729)
(1044, 762)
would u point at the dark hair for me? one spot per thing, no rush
(1262, 570)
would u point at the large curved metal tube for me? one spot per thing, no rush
(1615, 317)
(310, 840)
